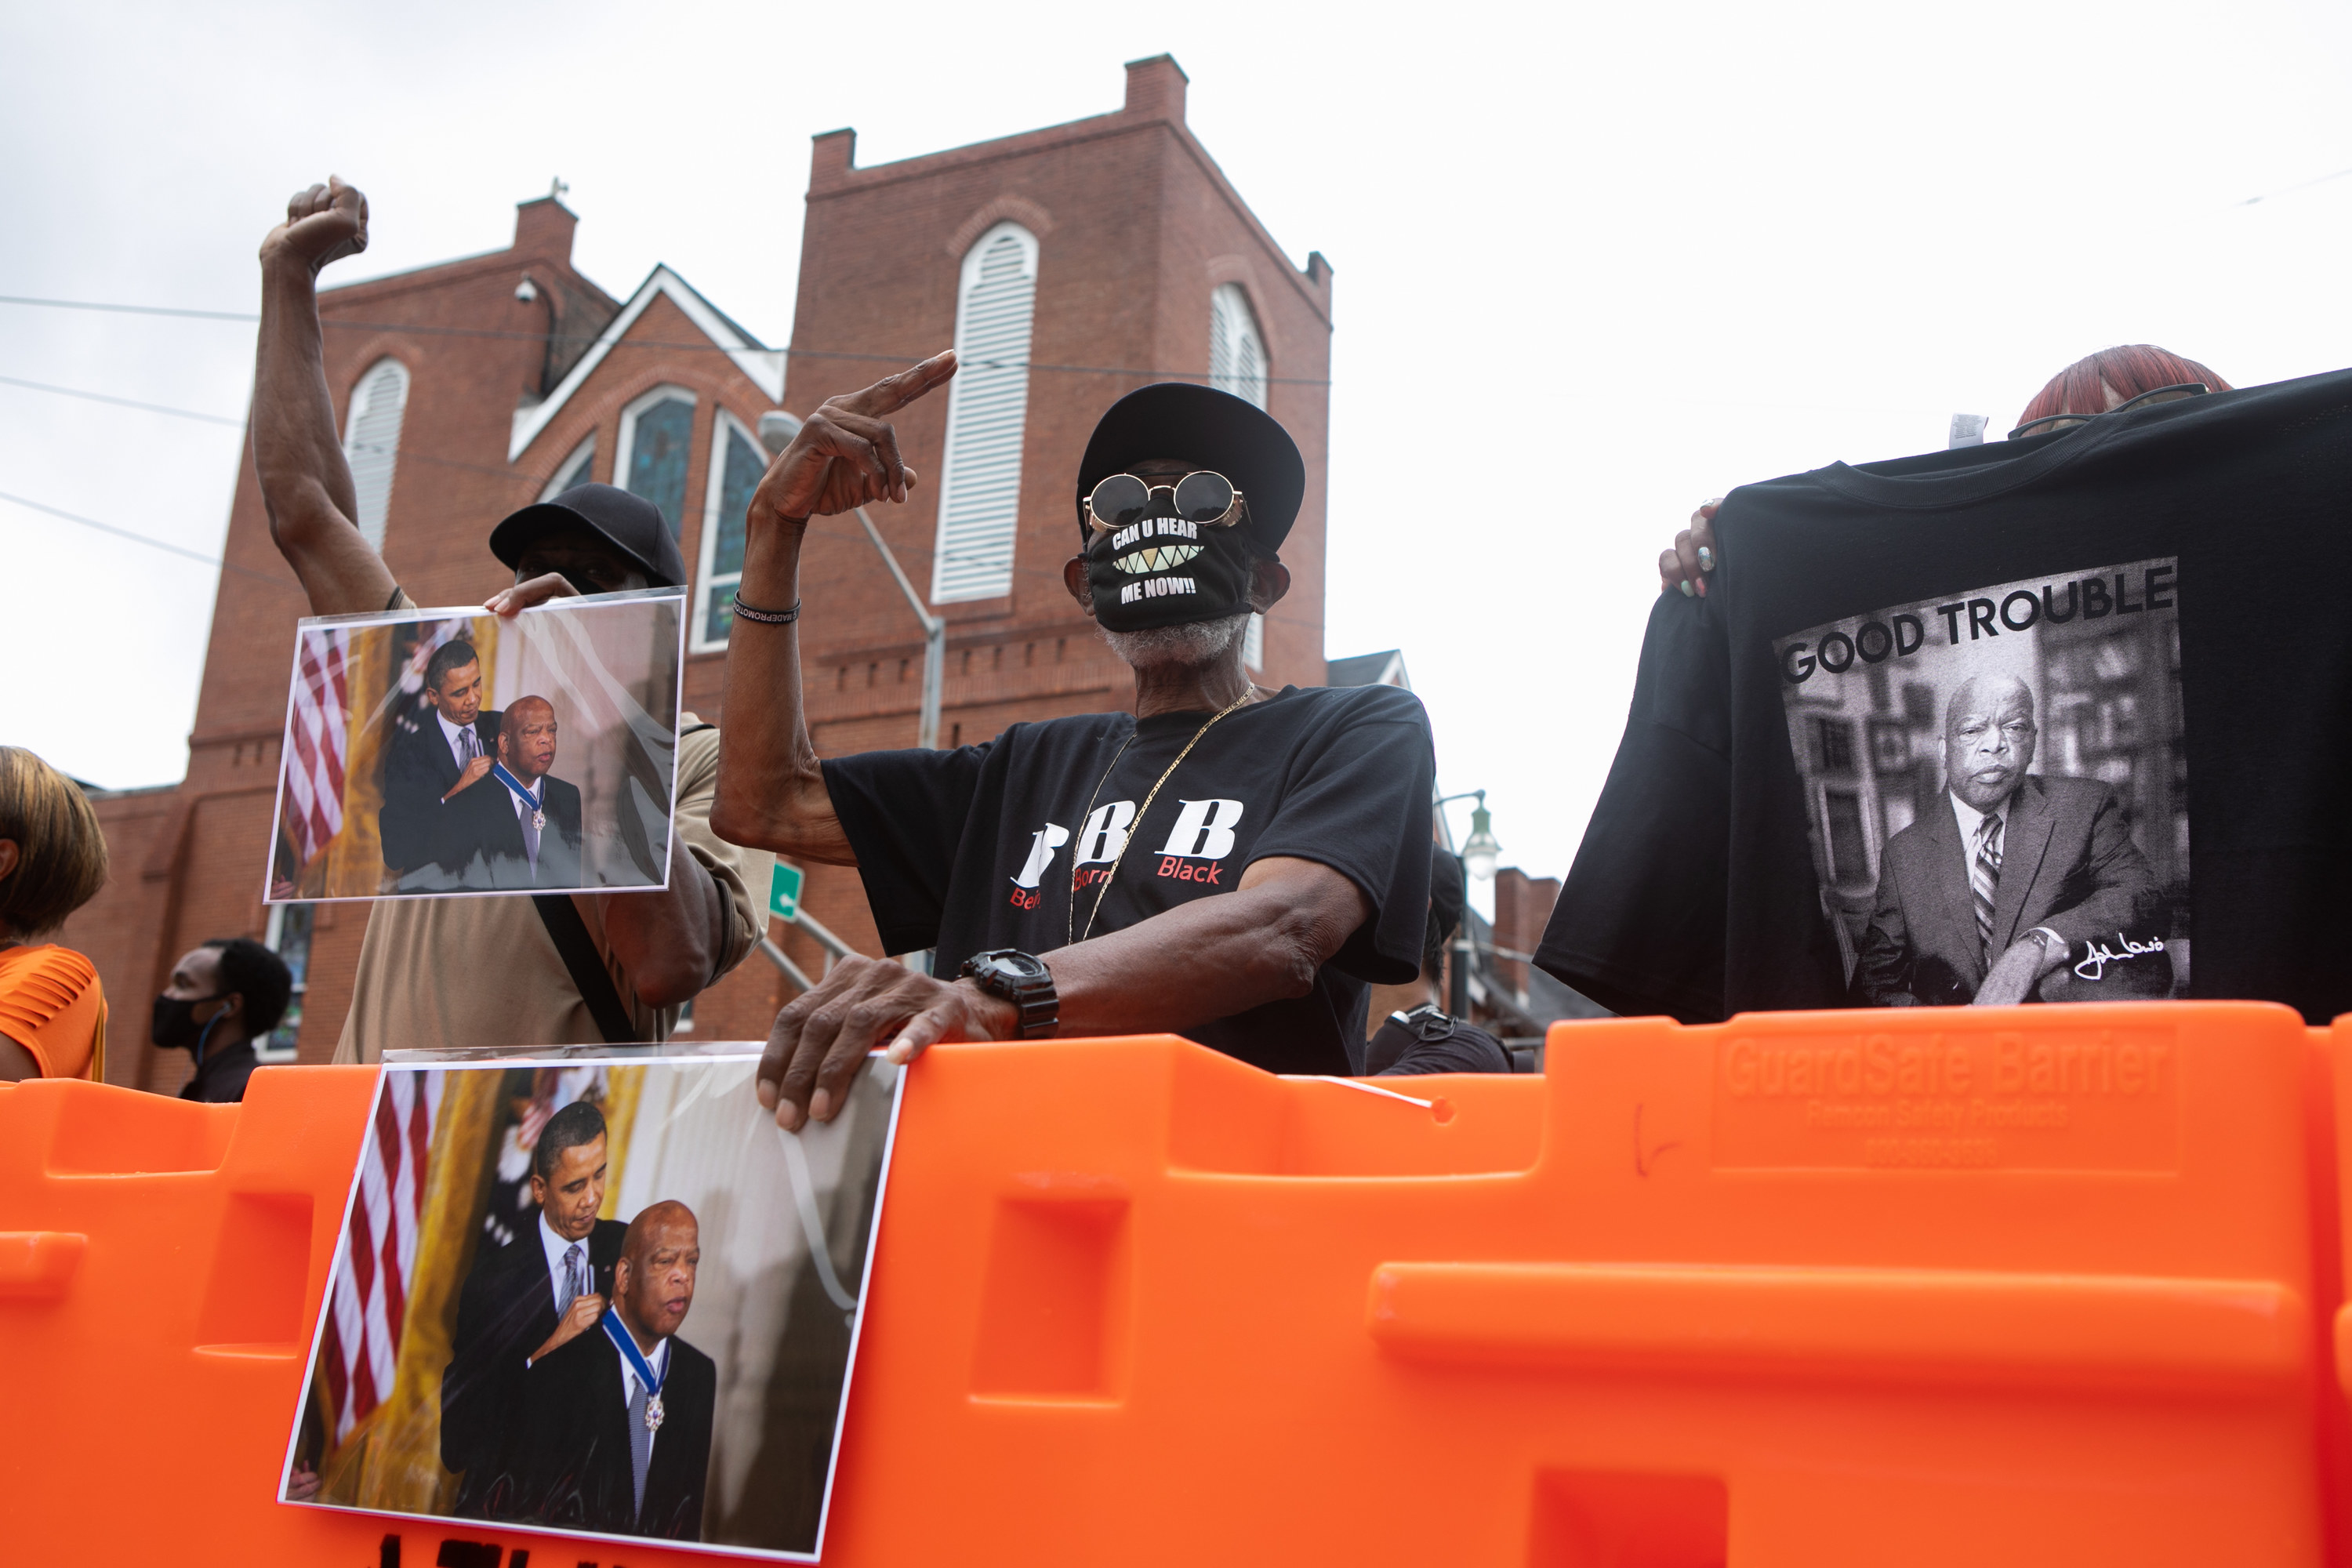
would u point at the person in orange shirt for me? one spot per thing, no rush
(52, 861)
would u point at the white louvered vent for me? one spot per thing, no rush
(1236, 351)
(372, 442)
(980, 493)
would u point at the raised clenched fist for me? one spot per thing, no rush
(322, 224)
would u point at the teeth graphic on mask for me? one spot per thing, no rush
(1158, 558)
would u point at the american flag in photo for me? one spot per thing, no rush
(317, 743)
(370, 1299)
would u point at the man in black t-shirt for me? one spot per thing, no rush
(1232, 863)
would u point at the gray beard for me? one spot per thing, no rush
(1198, 643)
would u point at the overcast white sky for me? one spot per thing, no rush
(1594, 265)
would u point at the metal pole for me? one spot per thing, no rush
(824, 938)
(1458, 1003)
(935, 640)
(935, 669)
(775, 955)
(777, 430)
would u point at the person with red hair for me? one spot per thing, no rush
(2098, 383)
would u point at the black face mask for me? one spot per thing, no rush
(1163, 571)
(174, 1027)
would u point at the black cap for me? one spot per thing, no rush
(629, 523)
(1202, 425)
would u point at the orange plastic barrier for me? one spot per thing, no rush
(2046, 1286)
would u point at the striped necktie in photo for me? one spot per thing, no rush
(575, 1279)
(1984, 881)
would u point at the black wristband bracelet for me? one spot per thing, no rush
(769, 617)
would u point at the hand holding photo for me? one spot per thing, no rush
(432, 751)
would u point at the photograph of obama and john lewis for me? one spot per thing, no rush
(1996, 789)
(596, 1295)
(439, 752)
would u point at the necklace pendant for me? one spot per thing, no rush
(653, 1413)
(539, 822)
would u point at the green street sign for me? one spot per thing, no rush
(784, 892)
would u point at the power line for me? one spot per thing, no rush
(124, 401)
(129, 309)
(417, 457)
(2290, 190)
(141, 539)
(416, 331)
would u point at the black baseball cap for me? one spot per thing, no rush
(1202, 425)
(629, 523)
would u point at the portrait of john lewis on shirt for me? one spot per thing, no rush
(1996, 790)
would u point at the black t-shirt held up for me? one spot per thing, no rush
(2093, 685)
(967, 850)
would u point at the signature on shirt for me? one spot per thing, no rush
(2094, 961)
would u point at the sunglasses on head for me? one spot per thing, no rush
(2049, 422)
(1203, 497)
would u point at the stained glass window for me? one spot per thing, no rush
(659, 436)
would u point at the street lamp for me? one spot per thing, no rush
(1479, 851)
(777, 430)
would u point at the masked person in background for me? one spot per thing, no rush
(1228, 862)
(52, 861)
(223, 996)
(571, 969)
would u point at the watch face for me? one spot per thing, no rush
(1018, 966)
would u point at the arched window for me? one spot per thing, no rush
(737, 464)
(1236, 349)
(576, 469)
(372, 442)
(1237, 364)
(988, 402)
(657, 438)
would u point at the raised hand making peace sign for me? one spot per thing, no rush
(847, 453)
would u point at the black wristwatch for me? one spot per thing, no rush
(1021, 979)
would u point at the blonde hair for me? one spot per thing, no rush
(60, 850)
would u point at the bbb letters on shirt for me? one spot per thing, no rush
(1022, 842)
(1199, 844)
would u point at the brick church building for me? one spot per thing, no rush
(1069, 266)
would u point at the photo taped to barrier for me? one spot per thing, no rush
(429, 753)
(597, 1294)
(1996, 789)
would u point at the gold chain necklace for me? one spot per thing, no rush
(1102, 889)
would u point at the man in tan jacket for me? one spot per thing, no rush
(491, 972)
